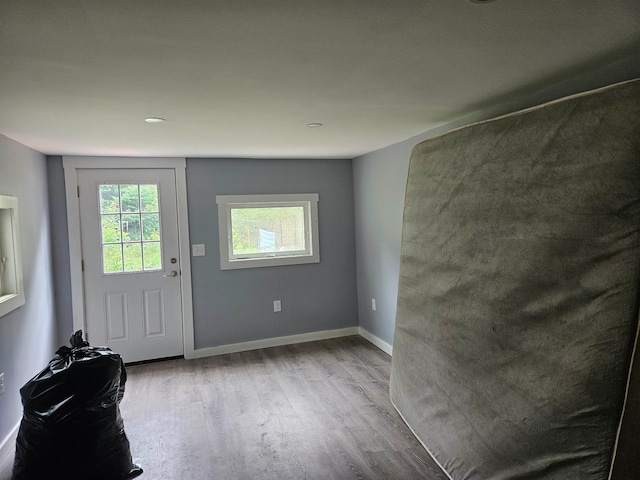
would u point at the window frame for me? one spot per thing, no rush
(120, 213)
(311, 254)
(14, 297)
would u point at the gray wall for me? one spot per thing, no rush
(235, 306)
(27, 334)
(60, 249)
(379, 186)
(380, 181)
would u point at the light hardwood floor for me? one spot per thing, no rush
(318, 410)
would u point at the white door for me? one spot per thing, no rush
(130, 253)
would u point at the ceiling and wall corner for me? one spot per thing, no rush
(380, 179)
(244, 78)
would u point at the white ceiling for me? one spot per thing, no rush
(242, 78)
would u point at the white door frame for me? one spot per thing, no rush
(71, 165)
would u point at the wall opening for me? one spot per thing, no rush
(11, 288)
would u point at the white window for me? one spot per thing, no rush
(11, 288)
(267, 230)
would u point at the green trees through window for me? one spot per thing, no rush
(130, 223)
(267, 229)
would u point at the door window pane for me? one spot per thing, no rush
(132, 257)
(131, 228)
(151, 255)
(109, 199)
(149, 198)
(111, 229)
(151, 226)
(131, 240)
(112, 258)
(130, 198)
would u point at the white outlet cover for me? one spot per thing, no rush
(373, 304)
(277, 306)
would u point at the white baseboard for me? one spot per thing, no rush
(8, 445)
(274, 342)
(378, 342)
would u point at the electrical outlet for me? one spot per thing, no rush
(277, 306)
(1, 383)
(373, 304)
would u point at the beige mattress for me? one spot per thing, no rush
(518, 295)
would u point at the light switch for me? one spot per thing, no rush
(198, 249)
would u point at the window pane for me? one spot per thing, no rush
(267, 230)
(129, 198)
(109, 199)
(124, 228)
(132, 257)
(112, 258)
(151, 226)
(131, 228)
(149, 198)
(152, 257)
(111, 229)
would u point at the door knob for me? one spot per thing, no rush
(172, 274)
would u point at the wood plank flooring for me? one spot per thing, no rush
(318, 410)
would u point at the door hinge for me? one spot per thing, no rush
(82, 262)
(78, 191)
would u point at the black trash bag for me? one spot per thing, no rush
(71, 428)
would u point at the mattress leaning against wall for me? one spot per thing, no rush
(518, 293)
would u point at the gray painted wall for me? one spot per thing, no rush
(27, 334)
(236, 306)
(60, 249)
(380, 181)
(379, 186)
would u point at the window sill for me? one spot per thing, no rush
(280, 260)
(10, 302)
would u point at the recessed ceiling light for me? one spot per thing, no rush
(314, 125)
(154, 120)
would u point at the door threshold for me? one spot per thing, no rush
(153, 360)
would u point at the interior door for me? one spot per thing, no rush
(129, 235)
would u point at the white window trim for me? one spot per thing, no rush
(227, 202)
(12, 255)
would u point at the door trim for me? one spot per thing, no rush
(71, 164)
